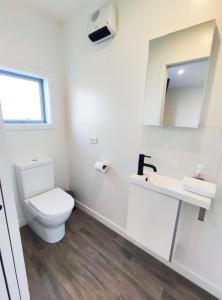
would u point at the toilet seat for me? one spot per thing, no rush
(52, 203)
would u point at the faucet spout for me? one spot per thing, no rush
(141, 164)
(151, 166)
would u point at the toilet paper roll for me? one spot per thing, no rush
(101, 166)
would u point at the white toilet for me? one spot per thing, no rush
(46, 208)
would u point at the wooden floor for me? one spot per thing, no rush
(92, 262)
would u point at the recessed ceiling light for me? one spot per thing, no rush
(180, 71)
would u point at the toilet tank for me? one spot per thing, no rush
(34, 177)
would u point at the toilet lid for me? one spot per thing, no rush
(53, 202)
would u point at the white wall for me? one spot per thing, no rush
(12, 228)
(106, 93)
(32, 42)
(100, 104)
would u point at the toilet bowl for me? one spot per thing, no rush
(50, 211)
(47, 208)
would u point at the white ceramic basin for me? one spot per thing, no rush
(171, 187)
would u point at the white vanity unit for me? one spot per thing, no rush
(154, 210)
(176, 85)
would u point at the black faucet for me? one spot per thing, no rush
(141, 164)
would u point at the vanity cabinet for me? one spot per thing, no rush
(154, 210)
(152, 220)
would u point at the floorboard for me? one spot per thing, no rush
(94, 263)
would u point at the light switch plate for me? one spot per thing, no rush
(93, 139)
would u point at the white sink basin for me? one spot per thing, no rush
(171, 187)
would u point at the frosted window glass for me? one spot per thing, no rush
(22, 98)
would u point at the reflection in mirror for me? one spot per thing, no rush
(184, 93)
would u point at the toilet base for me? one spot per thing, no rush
(48, 234)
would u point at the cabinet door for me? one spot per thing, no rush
(7, 269)
(152, 219)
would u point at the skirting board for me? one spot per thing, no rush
(176, 266)
(22, 222)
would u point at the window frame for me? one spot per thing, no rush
(42, 99)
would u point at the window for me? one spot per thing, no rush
(22, 98)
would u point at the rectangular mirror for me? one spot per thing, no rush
(177, 76)
(184, 93)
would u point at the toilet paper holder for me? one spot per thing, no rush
(101, 166)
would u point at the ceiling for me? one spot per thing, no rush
(193, 74)
(59, 9)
